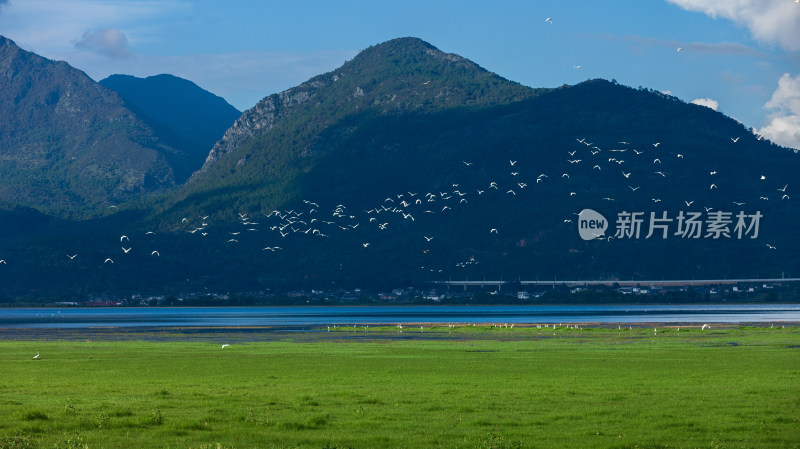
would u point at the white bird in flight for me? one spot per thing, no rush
(123, 237)
(155, 253)
(225, 346)
(108, 260)
(548, 20)
(126, 250)
(72, 257)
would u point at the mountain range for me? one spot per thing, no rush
(73, 148)
(408, 165)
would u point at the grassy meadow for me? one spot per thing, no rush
(463, 387)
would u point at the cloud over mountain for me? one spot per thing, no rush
(707, 102)
(784, 122)
(769, 21)
(109, 42)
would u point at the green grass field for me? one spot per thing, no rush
(468, 387)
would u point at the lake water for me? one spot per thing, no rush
(78, 318)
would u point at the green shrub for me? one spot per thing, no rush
(16, 442)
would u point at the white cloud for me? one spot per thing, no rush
(109, 42)
(783, 125)
(707, 102)
(769, 21)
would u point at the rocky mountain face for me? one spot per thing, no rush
(186, 116)
(392, 78)
(69, 146)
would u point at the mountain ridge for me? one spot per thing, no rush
(189, 117)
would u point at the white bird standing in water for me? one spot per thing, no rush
(37, 355)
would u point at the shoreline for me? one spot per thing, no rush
(374, 332)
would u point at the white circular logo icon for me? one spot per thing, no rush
(591, 224)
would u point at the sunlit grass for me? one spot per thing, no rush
(466, 386)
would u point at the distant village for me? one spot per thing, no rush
(508, 293)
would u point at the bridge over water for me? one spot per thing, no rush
(622, 283)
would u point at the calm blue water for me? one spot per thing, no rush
(78, 318)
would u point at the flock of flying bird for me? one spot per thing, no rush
(409, 211)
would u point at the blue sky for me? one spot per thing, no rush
(739, 56)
